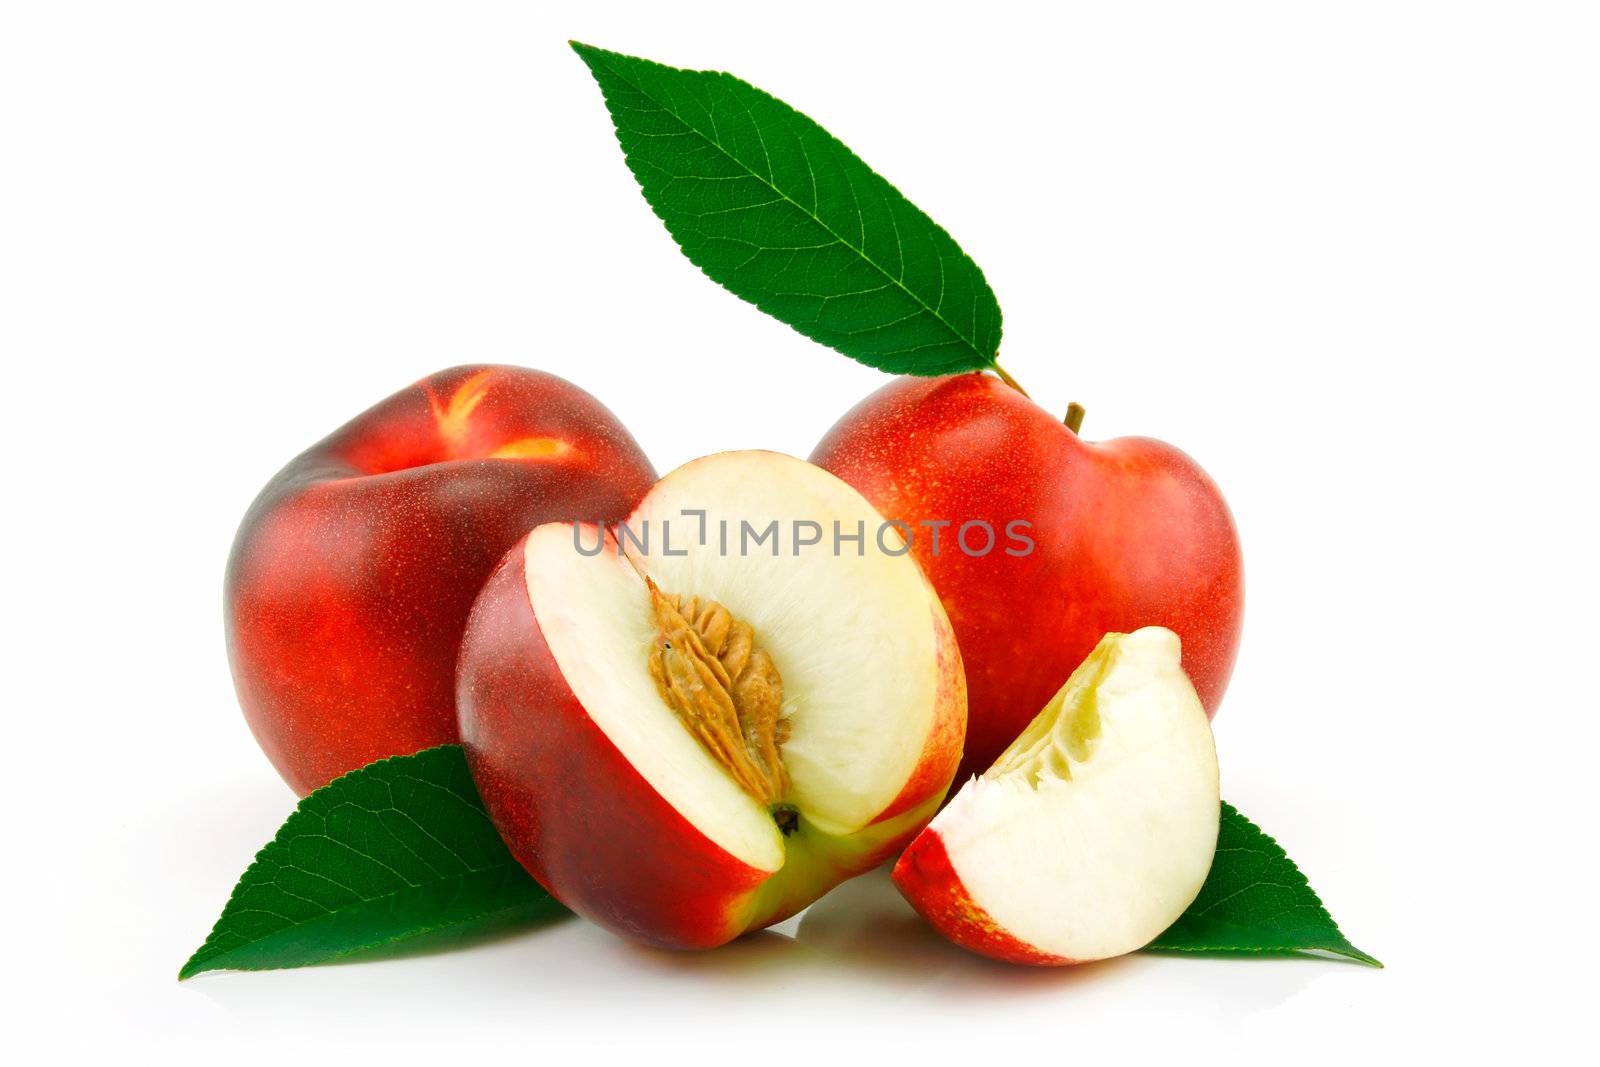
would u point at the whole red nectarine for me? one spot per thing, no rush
(352, 573)
(1125, 534)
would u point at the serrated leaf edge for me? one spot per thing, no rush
(218, 962)
(585, 51)
(189, 969)
(1344, 949)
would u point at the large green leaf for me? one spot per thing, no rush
(399, 849)
(1255, 901)
(772, 206)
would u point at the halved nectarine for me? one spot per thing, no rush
(696, 724)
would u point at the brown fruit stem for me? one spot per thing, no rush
(1074, 418)
(1008, 379)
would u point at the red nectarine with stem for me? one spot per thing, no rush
(1126, 533)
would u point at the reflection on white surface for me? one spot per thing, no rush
(856, 969)
(856, 957)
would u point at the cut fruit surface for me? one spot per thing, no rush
(595, 615)
(684, 731)
(1094, 831)
(855, 636)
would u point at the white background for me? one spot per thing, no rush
(1346, 255)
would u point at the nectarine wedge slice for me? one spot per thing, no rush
(1092, 833)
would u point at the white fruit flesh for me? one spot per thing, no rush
(854, 637)
(1094, 831)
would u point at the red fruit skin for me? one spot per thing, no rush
(941, 752)
(926, 878)
(573, 810)
(1127, 533)
(352, 574)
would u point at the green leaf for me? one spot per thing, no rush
(396, 850)
(1255, 901)
(772, 206)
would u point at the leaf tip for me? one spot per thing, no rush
(586, 52)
